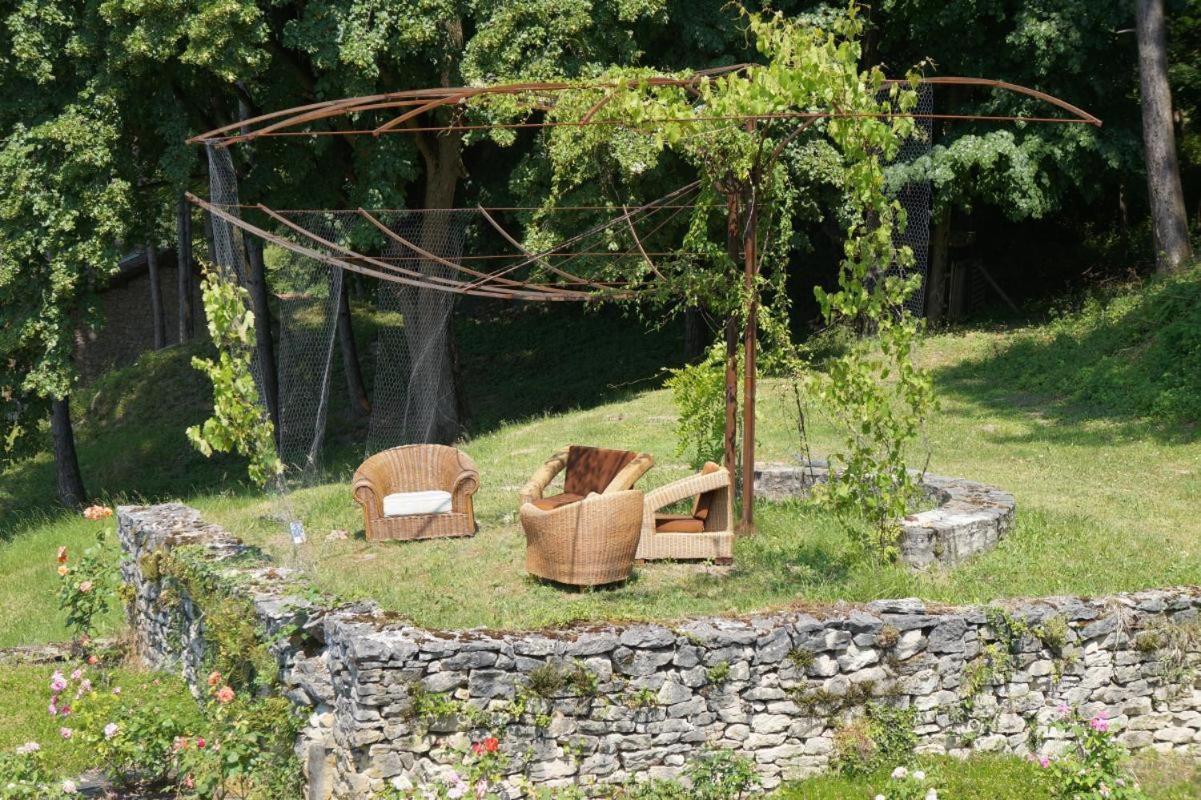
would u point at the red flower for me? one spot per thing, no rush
(200, 742)
(477, 748)
(491, 744)
(62, 555)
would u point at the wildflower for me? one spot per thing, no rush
(57, 682)
(65, 732)
(77, 674)
(69, 787)
(117, 690)
(456, 791)
(477, 748)
(1099, 723)
(85, 587)
(900, 774)
(1044, 762)
(491, 744)
(1063, 708)
(918, 775)
(28, 748)
(111, 730)
(225, 695)
(62, 555)
(214, 678)
(63, 569)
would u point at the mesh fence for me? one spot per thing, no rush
(915, 196)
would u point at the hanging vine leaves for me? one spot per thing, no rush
(875, 392)
(239, 422)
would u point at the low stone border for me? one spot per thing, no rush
(970, 518)
(639, 700)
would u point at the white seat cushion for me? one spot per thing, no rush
(406, 504)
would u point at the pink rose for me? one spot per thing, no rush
(225, 695)
(65, 732)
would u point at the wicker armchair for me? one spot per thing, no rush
(707, 533)
(589, 470)
(414, 468)
(586, 543)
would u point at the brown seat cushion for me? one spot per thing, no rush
(678, 523)
(590, 469)
(557, 500)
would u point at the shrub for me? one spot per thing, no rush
(87, 586)
(1096, 766)
(883, 736)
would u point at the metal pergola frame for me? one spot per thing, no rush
(412, 110)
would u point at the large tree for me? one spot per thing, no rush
(1169, 219)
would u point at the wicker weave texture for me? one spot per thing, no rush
(415, 468)
(625, 479)
(588, 543)
(717, 540)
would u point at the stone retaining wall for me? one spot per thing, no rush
(603, 704)
(969, 517)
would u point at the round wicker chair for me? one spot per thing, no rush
(415, 468)
(586, 543)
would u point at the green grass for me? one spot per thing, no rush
(1106, 492)
(986, 777)
(25, 694)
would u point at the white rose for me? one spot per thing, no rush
(900, 774)
(918, 775)
(932, 795)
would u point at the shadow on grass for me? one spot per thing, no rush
(516, 362)
(1132, 361)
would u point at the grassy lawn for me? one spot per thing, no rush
(25, 693)
(997, 778)
(1106, 486)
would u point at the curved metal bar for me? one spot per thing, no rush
(388, 275)
(280, 122)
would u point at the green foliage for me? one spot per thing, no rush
(1096, 766)
(63, 209)
(698, 392)
(1131, 352)
(87, 585)
(249, 753)
(25, 776)
(883, 736)
(132, 741)
(239, 422)
(714, 774)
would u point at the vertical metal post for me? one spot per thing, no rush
(749, 368)
(731, 332)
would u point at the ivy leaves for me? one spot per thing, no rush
(239, 423)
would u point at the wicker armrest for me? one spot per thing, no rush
(536, 485)
(368, 494)
(685, 488)
(630, 473)
(465, 483)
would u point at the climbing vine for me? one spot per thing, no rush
(769, 171)
(239, 422)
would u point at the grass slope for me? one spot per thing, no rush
(1106, 480)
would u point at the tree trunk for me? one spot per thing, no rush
(936, 281)
(70, 481)
(264, 346)
(159, 321)
(433, 395)
(183, 251)
(360, 406)
(1169, 218)
(696, 335)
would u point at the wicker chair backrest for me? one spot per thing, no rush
(590, 469)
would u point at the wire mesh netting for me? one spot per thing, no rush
(915, 196)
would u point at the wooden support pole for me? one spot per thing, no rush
(749, 369)
(731, 334)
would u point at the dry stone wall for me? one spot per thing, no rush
(591, 705)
